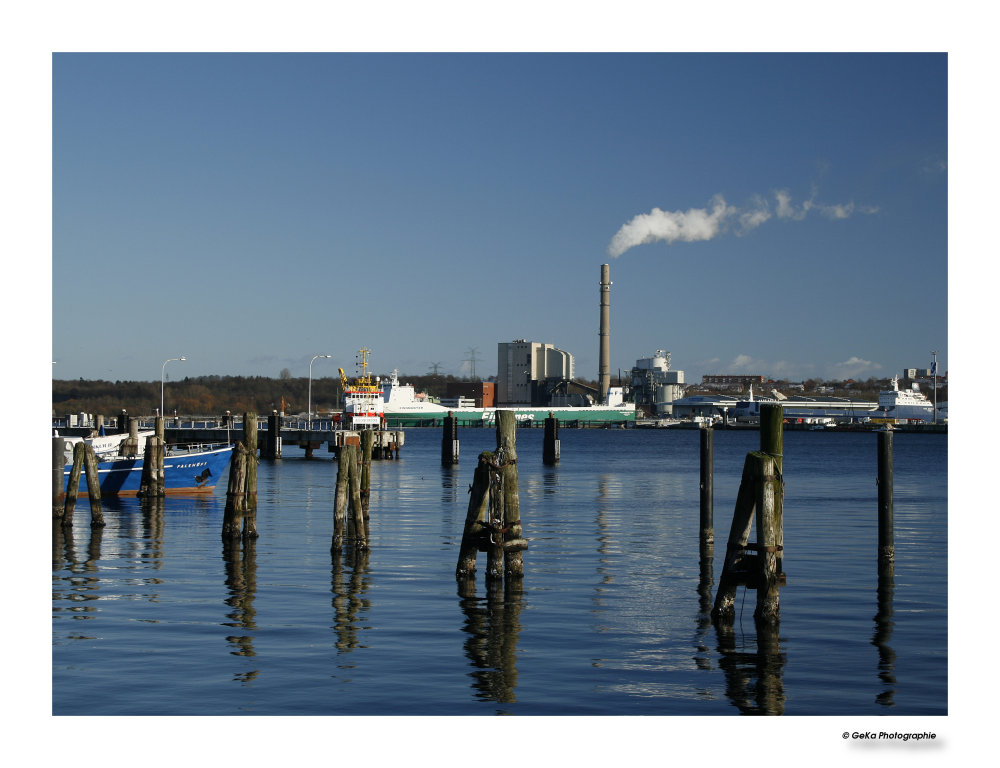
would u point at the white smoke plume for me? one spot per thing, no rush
(700, 224)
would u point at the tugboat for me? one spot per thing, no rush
(364, 407)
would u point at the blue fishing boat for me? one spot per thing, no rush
(186, 469)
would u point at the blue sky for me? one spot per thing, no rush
(781, 214)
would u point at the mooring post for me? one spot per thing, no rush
(354, 488)
(474, 534)
(551, 446)
(123, 422)
(160, 456)
(232, 520)
(739, 535)
(767, 489)
(449, 440)
(93, 486)
(886, 535)
(707, 483)
(146, 482)
(58, 475)
(340, 499)
(274, 435)
(73, 486)
(250, 487)
(510, 535)
(772, 443)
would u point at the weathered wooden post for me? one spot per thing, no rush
(250, 504)
(160, 456)
(886, 534)
(354, 488)
(73, 486)
(772, 443)
(449, 440)
(707, 486)
(232, 520)
(474, 535)
(93, 486)
(340, 498)
(58, 475)
(739, 535)
(147, 487)
(510, 533)
(551, 444)
(768, 492)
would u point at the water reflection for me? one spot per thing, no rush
(82, 580)
(493, 626)
(883, 632)
(349, 584)
(706, 581)
(239, 557)
(753, 677)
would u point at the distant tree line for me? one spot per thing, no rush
(210, 395)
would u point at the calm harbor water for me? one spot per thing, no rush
(153, 615)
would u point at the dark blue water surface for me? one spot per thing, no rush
(153, 615)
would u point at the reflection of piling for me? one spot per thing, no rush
(707, 535)
(449, 440)
(551, 445)
(886, 536)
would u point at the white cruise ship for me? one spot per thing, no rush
(901, 404)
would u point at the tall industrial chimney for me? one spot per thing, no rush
(604, 359)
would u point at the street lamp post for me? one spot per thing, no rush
(163, 370)
(310, 411)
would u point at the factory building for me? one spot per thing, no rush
(654, 386)
(527, 371)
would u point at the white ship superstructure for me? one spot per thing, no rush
(903, 404)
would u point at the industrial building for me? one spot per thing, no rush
(654, 386)
(529, 371)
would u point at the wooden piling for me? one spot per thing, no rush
(73, 486)
(449, 440)
(58, 475)
(886, 534)
(232, 520)
(707, 485)
(767, 491)
(340, 499)
(551, 445)
(250, 482)
(93, 486)
(512, 541)
(354, 488)
(772, 443)
(739, 535)
(474, 535)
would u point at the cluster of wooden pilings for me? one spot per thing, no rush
(493, 521)
(240, 517)
(761, 493)
(352, 493)
(84, 461)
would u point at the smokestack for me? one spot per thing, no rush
(604, 358)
